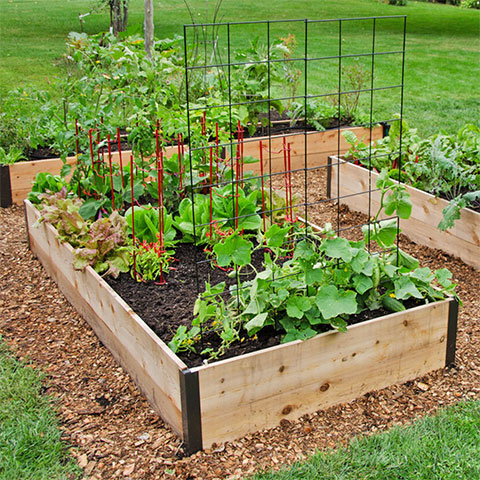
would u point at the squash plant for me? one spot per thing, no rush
(326, 281)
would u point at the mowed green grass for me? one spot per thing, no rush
(30, 438)
(442, 59)
(443, 447)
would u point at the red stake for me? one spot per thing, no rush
(120, 155)
(159, 161)
(290, 181)
(216, 148)
(286, 176)
(111, 172)
(133, 218)
(241, 152)
(263, 188)
(237, 178)
(211, 188)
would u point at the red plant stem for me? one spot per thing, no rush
(211, 188)
(180, 151)
(111, 171)
(120, 155)
(76, 138)
(133, 218)
(285, 164)
(263, 188)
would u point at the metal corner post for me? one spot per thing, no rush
(191, 411)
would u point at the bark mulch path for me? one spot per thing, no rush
(114, 432)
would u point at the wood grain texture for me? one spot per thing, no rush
(150, 363)
(320, 145)
(259, 389)
(463, 240)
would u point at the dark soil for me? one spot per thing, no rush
(166, 307)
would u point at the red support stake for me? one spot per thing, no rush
(160, 188)
(292, 246)
(216, 146)
(241, 152)
(111, 171)
(237, 178)
(290, 180)
(285, 164)
(120, 155)
(133, 218)
(263, 188)
(211, 188)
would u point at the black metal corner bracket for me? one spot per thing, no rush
(191, 412)
(451, 332)
(5, 187)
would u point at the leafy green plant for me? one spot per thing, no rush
(104, 247)
(45, 182)
(444, 165)
(326, 280)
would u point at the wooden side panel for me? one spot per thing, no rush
(258, 390)
(320, 145)
(22, 175)
(463, 240)
(150, 363)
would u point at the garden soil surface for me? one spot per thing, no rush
(111, 428)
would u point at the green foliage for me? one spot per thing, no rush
(104, 248)
(45, 182)
(444, 165)
(147, 224)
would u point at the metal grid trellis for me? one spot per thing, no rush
(219, 47)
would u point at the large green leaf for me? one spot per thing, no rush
(333, 302)
(234, 249)
(297, 306)
(405, 288)
(337, 248)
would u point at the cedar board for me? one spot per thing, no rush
(463, 240)
(256, 390)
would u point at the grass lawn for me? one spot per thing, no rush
(443, 447)
(30, 444)
(443, 46)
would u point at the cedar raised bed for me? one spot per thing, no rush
(350, 183)
(16, 180)
(227, 399)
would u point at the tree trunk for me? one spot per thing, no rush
(148, 27)
(118, 15)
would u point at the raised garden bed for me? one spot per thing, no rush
(227, 399)
(16, 180)
(351, 183)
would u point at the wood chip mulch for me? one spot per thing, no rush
(112, 429)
